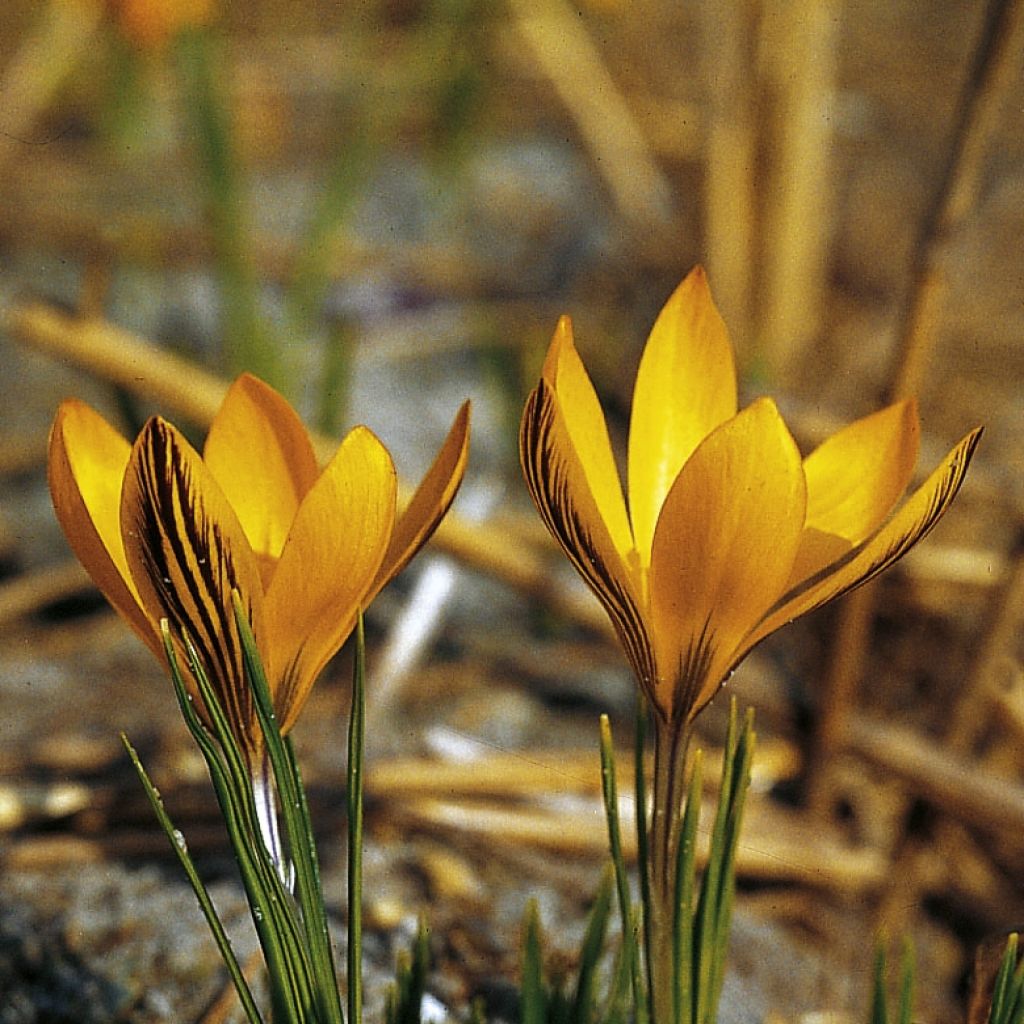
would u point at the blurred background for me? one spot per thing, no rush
(382, 208)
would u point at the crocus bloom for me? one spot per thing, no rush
(167, 534)
(728, 533)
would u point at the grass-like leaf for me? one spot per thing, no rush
(582, 1007)
(533, 1009)
(298, 829)
(630, 945)
(272, 910)
(354, 799)
(202, 895)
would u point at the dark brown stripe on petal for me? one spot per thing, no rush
(190, 570)
(547, 477)
(692, 674)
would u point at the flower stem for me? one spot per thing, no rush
(671, 742)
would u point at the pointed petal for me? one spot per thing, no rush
(86, 467)
(587, 433)
(854, 480)
(429, 504)
(559, 486)
(723, 550)
(260, 454)
(912, 522)
(186, 551)
(328, 564)
(685, 387)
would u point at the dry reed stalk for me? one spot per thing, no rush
(954, 785)
(776, 845)
(980, 693)
(800, 68)
(557, 39)
(730, 171)
(61, 37)
(994, 71)
(31, 591)
(995, 66)
(536, 773)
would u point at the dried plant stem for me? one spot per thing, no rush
(800, 71)
(730, 177)
(993, 72)
(995, 66)
(557, 39)
(60, 39)
(1006, 611)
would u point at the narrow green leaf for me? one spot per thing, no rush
(739, 786)
(534, 1002)
(1002, 996)
(177, 842)
(643, 846)
(879, 997)
(271, 906)
(248, 345)
(686, 880)
(356, 726)
(907, 984)
(630, 945)
(297, 826)
(590, 953)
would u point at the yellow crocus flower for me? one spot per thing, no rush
(728, 533)
(168, 534)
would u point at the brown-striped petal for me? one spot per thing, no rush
(911, 523)
(587, 433)
(86, 467)
(429, 504)
(723, 550)
(558, 484)
(685, 387)
(187, 552)
(328, 565)
(260, 454)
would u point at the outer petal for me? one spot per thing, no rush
(911, 523)
(723, 550)
(854, 480)
(587, 433)
(429, 504)
(560, 488)
(327, 567)
(86, 468)
(260, 454)
(685, 387)
(187, 552)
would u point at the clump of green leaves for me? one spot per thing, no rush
(702, 911)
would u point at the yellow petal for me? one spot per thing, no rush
(856, 477)
(428, 505)
(86, 467)
(854, 480)
(912, 521)
(560, 488)
(327, 567)
(260, 454)
(587, 433)
(685, 387)
(187, 552)
(723, 551)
